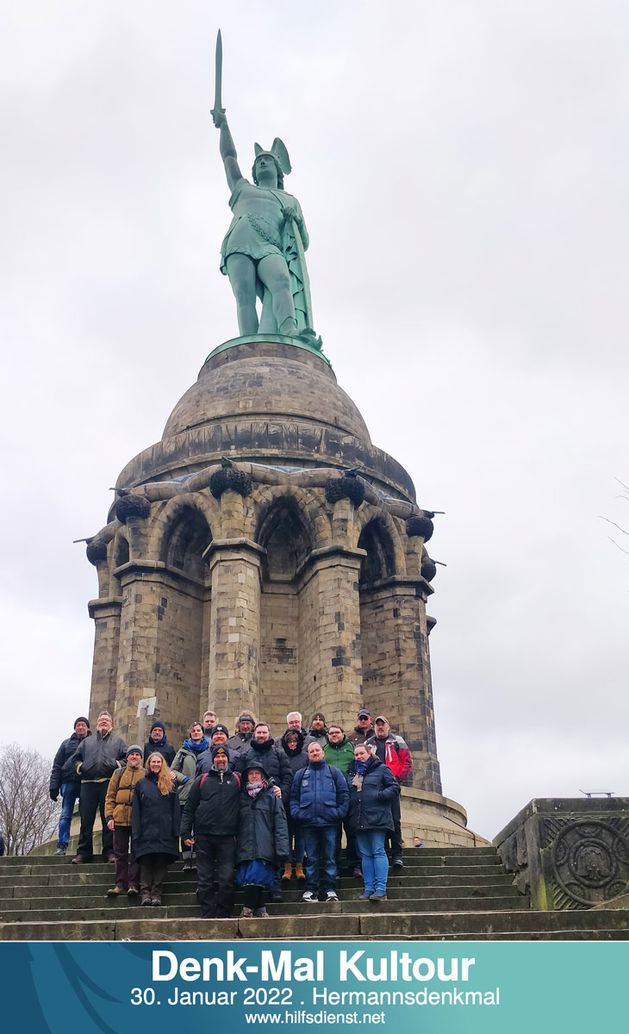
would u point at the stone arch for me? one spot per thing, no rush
(309, 508)
(182, 531)
(120, 550)
(285, 535)
(377, 534)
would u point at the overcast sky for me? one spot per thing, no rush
(462, 167)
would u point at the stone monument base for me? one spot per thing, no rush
(439, 821)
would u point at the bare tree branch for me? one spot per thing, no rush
(27, 815)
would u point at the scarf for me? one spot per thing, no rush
(253, 789)
(196, 747)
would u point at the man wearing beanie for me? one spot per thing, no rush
(318, 729)
(210, 821)
(118, 803)
(242, 737)
(220, 735)
(64, 780)
(158, 741)
(97, 759)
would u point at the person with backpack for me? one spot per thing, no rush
(319, 800)
(210, 823)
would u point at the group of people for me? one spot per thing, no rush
(246, 810)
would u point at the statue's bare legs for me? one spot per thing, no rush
(272, 271)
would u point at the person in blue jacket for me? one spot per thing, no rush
(373, 792)
(319, 800)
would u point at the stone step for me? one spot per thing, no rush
(408, 854)
(105, 910)
(89, 899)
(185, 882)
(514, 925)
(23, 875)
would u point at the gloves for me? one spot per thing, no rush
(54, 795)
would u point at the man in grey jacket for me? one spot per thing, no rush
(97, 758)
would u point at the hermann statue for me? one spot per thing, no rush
(263, 250)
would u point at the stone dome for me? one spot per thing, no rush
(266, 380)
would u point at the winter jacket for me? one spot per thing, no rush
(296, 758)
(63, 767)
(341, 755)
(360, 735)
(185, 768)
(306, 735)
(213, 805)
(319, 795)
(155, 820)
(163, 747)
(262, 829)
(120, 792)
(271, 760)
(238, 743)
(370, 806)
(395, 754)
(318, 734)
(98, 756)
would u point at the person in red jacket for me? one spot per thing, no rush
(393, 751)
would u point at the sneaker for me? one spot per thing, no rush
(113, 892)
(309, 895)
(397, 863)
(247, 913)
(366, 894)
(260, 913)
(378, 897)
(156, 900)
(146, 899)
(80, 859)
(132, 892)
(60, 850)
(331, 896)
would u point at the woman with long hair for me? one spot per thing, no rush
(184, 767)
(155, 822)
(372, 793)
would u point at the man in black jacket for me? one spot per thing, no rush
(210, 820)
(96, 760)
(64, 780)
(263, 753)
(158, 741)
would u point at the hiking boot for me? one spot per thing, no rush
(113, 892)
(299, 872)
(331, 896)
(397, 863)
(132, 891)
(357, 873)
(260, 913)
(80, 859)
(309, 895)
(146, 899)
(378, 897)
(247, 913)
(288, 871)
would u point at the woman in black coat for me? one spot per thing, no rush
(372, 790)
(155, 821)
(262, 841)
(292, 744)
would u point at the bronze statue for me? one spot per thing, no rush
(263, 250)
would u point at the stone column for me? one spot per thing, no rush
(329, 634)
(106, 615)
(234, 682)
(396, 675)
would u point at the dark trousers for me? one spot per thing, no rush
(395, 838)
(127, 869)
(92, 799)
(321, 869)
(215, 875)
(153, 869)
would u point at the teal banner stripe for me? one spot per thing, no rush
(406, 987)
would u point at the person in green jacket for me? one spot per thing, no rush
(338, 751)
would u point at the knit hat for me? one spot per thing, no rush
(318, 714)
(135, 749)
(220, 728)
(246, 717)
(219, 748)
(158, 725)
(81, 719)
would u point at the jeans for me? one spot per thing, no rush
(215, 875)
(375, 864)
(69, 794)
(320, 844)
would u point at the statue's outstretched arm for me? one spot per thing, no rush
(227, 149)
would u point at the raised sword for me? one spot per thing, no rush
(218, 109)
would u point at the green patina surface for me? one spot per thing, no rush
(255, 339)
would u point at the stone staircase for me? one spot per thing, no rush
(442, 894)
